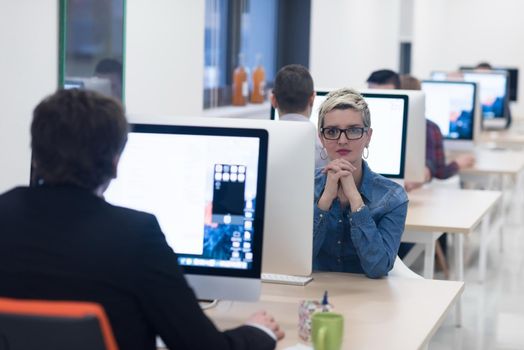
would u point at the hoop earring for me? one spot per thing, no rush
(365, 155)
(323, 153)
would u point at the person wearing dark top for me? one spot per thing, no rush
(436, 165)
(435, 156)
(60, 240)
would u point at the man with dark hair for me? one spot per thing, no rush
(60, 240)
(293, 97)
(384, 79)
(111, 70)
(77, 137)
(484, 65)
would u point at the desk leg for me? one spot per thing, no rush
(429, 259)
(501, 233)
(413, 254)
(502, 218)
(508, 196)
(484, 244)
(459, 273)
(518, 195)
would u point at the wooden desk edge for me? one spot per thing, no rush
(458, 230)
(437, 325)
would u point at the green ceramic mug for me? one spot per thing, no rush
(327, 329)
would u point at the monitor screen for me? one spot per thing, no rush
(513, 74)
(389, 115)
(451, 105)
(206, 187)
(493, 89)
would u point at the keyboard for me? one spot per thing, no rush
(286, 279)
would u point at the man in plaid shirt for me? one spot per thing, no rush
(436, 166)
(436, 158)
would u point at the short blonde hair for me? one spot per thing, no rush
(344, 98)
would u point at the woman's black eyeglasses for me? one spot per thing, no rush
(351, 133)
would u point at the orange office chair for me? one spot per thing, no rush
(57, 325)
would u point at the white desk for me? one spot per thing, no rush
(499, 170)
(389, 313)
(432, 212)
(504, 138)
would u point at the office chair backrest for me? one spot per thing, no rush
(401, 270)
(57, 325)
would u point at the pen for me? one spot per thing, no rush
(325, 302)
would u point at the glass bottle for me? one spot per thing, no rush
(259, 82)
(240, 85)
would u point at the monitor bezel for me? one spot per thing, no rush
(258, 222)
(474, 110)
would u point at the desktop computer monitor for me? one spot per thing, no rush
(391, 121)
(451, 105)
(206, 187)
(415, 134)
(513, 74)
(493, 92)
(288, 216)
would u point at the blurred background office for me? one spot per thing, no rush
(179, 58)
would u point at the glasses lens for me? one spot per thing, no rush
(331, 133)
(354, 133)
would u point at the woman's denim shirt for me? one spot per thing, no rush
(364, 242)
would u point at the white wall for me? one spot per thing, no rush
(28, 71)
(449, 33)
(406, 20)
(164, 67)
(352, 38)
(165, 57)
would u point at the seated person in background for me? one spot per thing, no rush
(486, 67)
(112, 70)
(359, 215)
(435, 165)
(293, 96)
(384, 79)
(61, 241)
(435, 155)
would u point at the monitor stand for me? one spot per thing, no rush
(495, 124)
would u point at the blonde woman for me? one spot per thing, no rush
(359, 215)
